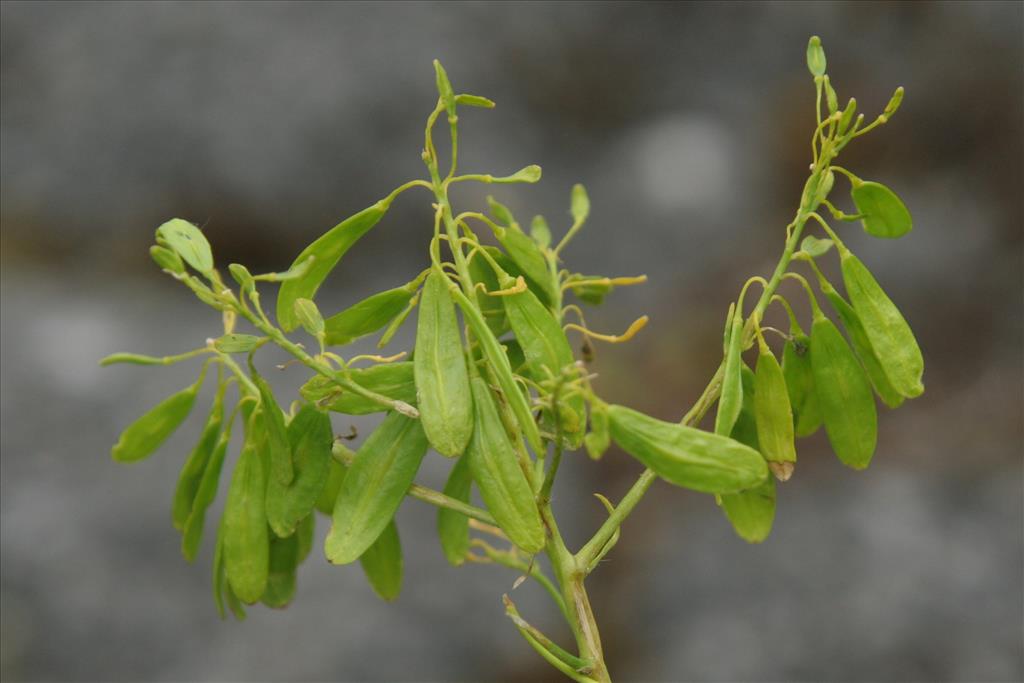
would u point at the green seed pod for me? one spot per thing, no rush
(394, 380)
(685, 456)
(772, 409)
(862, 346)
(528, 257)
(501, 213)
(745, 429)
(528, 174)
(831, 99)
(579, 204)
(382, 563)
(501, 481)
(540, 232)
(592, 293)
(444, 89)
(499, 364)
(814, 246)
(282, 572)
(796, 368)
(142, 437)
(242, 276)
(374, 486)
(329, 495)
(188, 242)
(442, 380)
(598, 439)
(847, 118)
(167, 259)
(844, 395)
(885, 214)
(491, 307)
(894, 102)
(279, 449)
(192, 533)
(474, 101)
(816, 62)
(246, 534)
(310, 437)
(192, 473)
(731, 401)
(453, 527)
(327, 250)
(238, 343)
(546, 350)
(309, 317)
(306, 532)
(890, 335)
(369, 315)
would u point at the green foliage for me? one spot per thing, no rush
(494, 383)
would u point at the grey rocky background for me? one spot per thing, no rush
(267, 122)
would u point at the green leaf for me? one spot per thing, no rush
(453, 527)
(444, 89)
(327, 251)
(814, 246)
(598, 439)
(279, 448)
(491, 307)
(246, 534)
(382, 563)
(309, 317)
(501, 213)
(188, 242)
(394, 380)
(816, 62)
(442, 380)
(142, 437)
(884, 214)
(238, 343)
(474, 101)
(685, 456)
(310, 437)
(752, 512)
(530, 260)
(773, 412)
(368, 315)
(329, 495)
(374, 487)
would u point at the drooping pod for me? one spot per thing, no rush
(192, 472)
(246, 534)
(890, 335)
(142, 437)
(442, 380)
(500, 479)
(453, 527)
(491, 307)
(525, 253)
(394, 380)
(731, 400)
(774, 416)
(192, 531)
(310, 436)
(685, 456)
(382, 563)
(279, 450)
(372, 490)
(844, 394)
(282, 571)
(884, 213)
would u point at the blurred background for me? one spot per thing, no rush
(266, 123)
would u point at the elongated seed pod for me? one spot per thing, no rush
(771, 408)
(374, 486)
(394, 380)
(731, 400)
(685, 456)
(862, 347)
(491, 307)
(368, 315)
(246, 534)
(279, 450)
(498, 476)
(382, 563)
(442, 381)
(327, 250)
(796, 368)
(453, 527)
(546, 350)
(282, 572)
(310, 436)
(192, 532)
(844, 394)
(329, 495)
(525, 253)
(499, 364)
(192, 472)
(890, 335)
(141, 438)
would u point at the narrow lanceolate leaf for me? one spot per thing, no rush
(685, 456)
(796, 368)
(453, 527)
(884, 213)
(374, 486)
(844, 394)
(278, 447)
(192, 534)
(731, 400)
(500, 366)
(142, 437)
(188, 242)
(310, 436)
(501, 481)
(546, 350)
(862, 347)
(282, 571)
(369, 315)
(442, 380)
(246, 534)
(327, 251)
(394, 380)
(890, 335)
(192, 473)
(772, 410)
(382, 563)
(750, 512)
